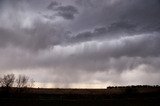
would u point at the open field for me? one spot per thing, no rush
(113, 96)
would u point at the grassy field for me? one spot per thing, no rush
(112, 96)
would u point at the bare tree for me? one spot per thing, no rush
(1, 80)
(7, 80)
(31, 83)
(22, 81)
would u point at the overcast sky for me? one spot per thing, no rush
(81, 43)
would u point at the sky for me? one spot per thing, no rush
(81, 43)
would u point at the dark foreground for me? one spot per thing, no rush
(113, 96)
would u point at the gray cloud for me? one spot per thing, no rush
(95, 41)
(43, 36)
(114, 30)
(66, 11)
(111, 11)
(52, 5)
(25, 28)
(118, 55)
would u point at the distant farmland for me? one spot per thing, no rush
(131, 95)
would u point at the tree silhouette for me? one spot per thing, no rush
(31, 83)
(7, 80)
(22, 81)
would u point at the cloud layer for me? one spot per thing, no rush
(81, 43)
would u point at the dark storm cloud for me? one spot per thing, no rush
(23, 27)
(50, 36)
(112, 31)
(119, 55)
(44, 36)
(52, 5)
(142, 46)
(95, 40)
(122, 27)
(117, 18)
(66, 11)
(143, 14)
(41, 37)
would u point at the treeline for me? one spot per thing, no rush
(134, 89)
(10, 80)
(134, 86)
